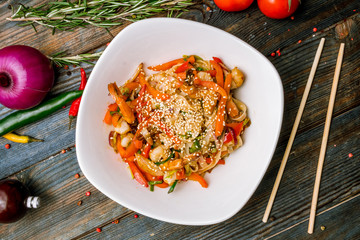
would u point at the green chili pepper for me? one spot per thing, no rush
(23, 117)
(171, 189)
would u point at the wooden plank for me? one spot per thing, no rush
(328, 223)
(53, 180)
(50, 174)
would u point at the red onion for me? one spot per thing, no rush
(26, 76)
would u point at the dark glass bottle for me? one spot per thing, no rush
(15, 199)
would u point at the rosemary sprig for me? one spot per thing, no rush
(65, 15)
(61, 61)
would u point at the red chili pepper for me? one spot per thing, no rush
(74, 109)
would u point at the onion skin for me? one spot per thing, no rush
(30, 74)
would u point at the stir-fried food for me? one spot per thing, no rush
(178, 123)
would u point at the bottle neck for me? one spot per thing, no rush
(32, 202)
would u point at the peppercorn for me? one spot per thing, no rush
(98, 229)
(77, 175)
(88, 193)
(7, 146)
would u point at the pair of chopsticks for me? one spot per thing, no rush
(324, 139)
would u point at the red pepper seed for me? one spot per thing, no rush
(98, 229)
(292, 17)
(136, 216)
(350, 155)
(314, 29)
(88, 193)
(77, 175)
(273, 54)
(116, 221)
(7, 146)
(63, 151)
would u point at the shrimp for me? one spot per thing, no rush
(125, 110)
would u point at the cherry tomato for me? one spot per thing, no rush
(278, 9)
(233, 5)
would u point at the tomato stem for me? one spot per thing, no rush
(4, 80)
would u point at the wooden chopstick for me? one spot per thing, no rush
(325, 139)
(293, 131)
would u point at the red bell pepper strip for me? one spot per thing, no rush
(185, 66)
(237, 127)
(137, 173)
(146, 151)
(228, 137)
(218, 60)
(180, 174)
(227, 84)
(132, 85)
(162, 185)
(221, 161)
(108, 118)
(212, 72)
(211, 85)
(196, 177)
(219, 73)
(167, 65)
(150, 177)
(74, 108)
(191, 59)
(220, 118)
(181, 76)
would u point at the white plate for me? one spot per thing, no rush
(155, 41)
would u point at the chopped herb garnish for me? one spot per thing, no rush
(171, 189)
(172, 154)
(155, 182)
(125, 91)
(195, 147)
(139, 151)
(117, 111)
(199, 69)
(151, 188)
(182, 112)
(187, 135)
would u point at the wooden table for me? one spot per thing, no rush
(48, 168)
